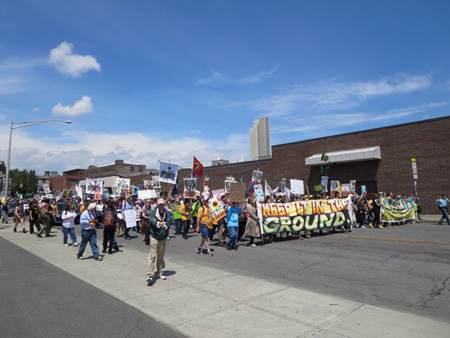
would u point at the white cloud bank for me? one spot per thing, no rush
(68, 63)
(79, 108)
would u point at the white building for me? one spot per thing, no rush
(259, 139)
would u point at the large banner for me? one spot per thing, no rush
(397, 211)
(302, 215)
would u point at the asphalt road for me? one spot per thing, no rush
(405, 268)
(40, 300)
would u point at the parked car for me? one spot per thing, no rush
(11, 208)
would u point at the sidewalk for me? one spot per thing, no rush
(198, 301)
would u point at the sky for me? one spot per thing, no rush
(148, 81)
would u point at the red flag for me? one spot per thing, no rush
(197, 168)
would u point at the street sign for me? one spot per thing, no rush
(414, 168)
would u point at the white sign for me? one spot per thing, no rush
(414, 168)
(297, 187)
(93, 186)
(257, 176)
(146, 194)
(130, 218)
(168, 172)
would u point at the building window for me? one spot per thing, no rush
(141, 168)
(131, 168)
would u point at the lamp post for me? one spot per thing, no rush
(17, 125)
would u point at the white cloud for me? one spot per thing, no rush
(214, 79)
(257, 78)
(78, 149)
(333, 95)
(36, 110)
(68, 63)
(79, 108)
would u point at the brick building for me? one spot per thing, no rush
(378, 158)
(118, 168)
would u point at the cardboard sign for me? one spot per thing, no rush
(146, 194)
(237, 192)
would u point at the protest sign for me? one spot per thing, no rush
(190, 185)
(303, 215)
(257, 176)
(130, 218)
(146, 194)
(397, 211)
(168, 172)
(352, 185)
(97, 196)
(259, 193)
(324, 183)
(217, 210)
(79, 190)
(122, 185)
(93, 185)
(363, 189)
(218, 193)
(46, 188)
(345, 188)
(297, 187)
(267, 189)
(237, 192)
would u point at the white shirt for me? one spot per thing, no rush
(68, 223)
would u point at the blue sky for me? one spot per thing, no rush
(150, 80)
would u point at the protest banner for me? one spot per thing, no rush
(257, 176)
(168, 172)
(93, 185)
(218, 212)
(190, 185)
(79, 190)
(146, 194)
(297, 187)
(130, 218)
(237, 192)
(259, 193)
(303, 215)
(401, 210)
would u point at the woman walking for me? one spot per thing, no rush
(19, 214)
(68, 225)
(252, 227)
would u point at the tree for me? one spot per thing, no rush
(23, 181)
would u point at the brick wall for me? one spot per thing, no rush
(428, 141)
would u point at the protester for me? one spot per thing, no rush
(88, 221)
(19, 215)
(233, 212)
(177, 217)
(160, 222)
(5, 211)
(126, 205)
(145, 216)
(252, 227)
(109, 220)
(185, 211)
(45, 213)
(443, 207)
(34, 217)
(68, 225)
(204, 226)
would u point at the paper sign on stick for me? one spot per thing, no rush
(297, 187)
(130, 218)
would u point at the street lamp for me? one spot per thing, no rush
(17, 125)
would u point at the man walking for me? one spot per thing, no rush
(88, 220)
(443, 207)
(160, 221)
(204, 226)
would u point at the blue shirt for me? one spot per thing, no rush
(233, 216)
(443, 202)
(84, 220)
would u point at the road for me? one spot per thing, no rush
(40, 300)
(403, 268)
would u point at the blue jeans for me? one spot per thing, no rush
(91, 237)
(444, 211)
(70, 231)
(4, 216)
(233, 240)
(178, 226)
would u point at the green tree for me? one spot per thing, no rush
(23, 181)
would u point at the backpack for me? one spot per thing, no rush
(108, 221)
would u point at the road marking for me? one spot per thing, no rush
(406, 240)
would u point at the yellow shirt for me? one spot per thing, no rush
(205, 216)
(186, 208)
(54, 209)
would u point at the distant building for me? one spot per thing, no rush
(118, 168)
(215, 163)
(259, 139)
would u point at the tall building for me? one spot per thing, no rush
(259, 139)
